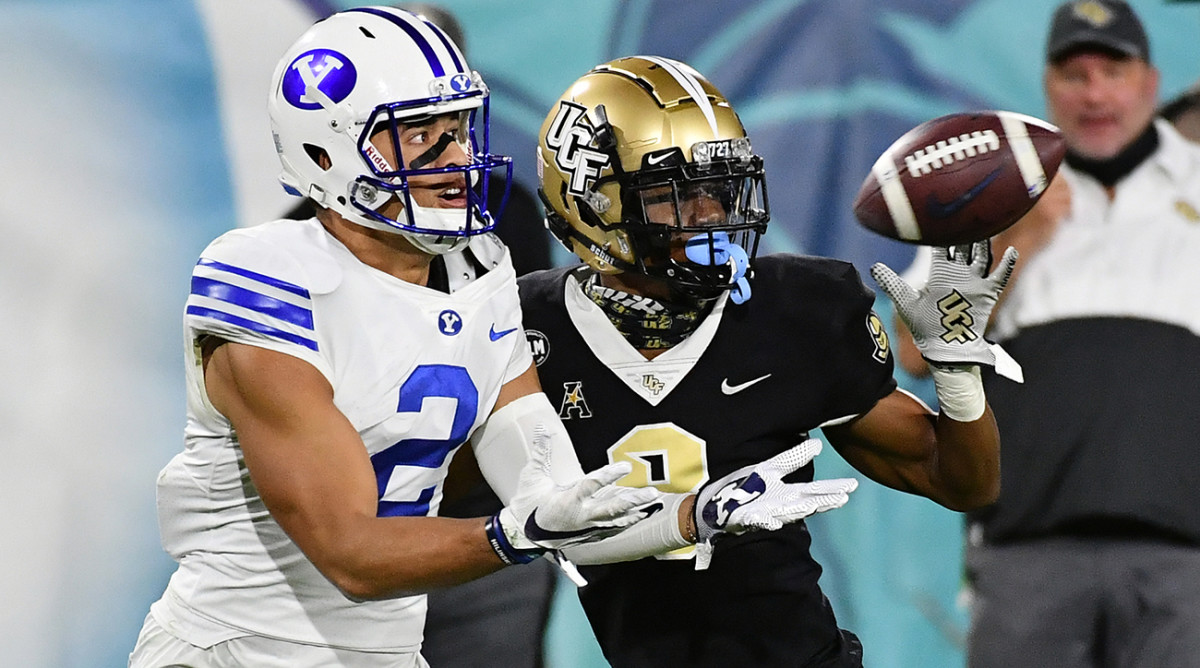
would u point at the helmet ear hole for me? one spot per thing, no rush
(319, 156)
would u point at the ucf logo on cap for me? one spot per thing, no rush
(1093, 12)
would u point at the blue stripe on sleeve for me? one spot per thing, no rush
(203, 312)
(261, 278)
(269, 306)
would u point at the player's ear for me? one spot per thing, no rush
(319, 156)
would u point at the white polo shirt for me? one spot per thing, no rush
(1136, 256)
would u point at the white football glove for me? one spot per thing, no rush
(756, 498)
(544, 516)
(948, 316)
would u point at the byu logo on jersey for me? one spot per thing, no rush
(321, 70)
(449, 322)
(569, 135)
(956, 318)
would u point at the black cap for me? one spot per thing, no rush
(1107, 25)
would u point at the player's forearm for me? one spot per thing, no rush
(967, 457)
(669, 529)
(403, 556)
(967, 464)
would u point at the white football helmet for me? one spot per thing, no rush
(369, 69)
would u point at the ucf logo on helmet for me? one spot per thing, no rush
(569, 135)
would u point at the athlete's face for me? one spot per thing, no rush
(1101, 102)
(700, 207)
(437, 141)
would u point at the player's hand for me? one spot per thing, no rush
(756, 498)
(948, 316)
(545, 516)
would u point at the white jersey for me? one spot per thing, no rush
(415, 370)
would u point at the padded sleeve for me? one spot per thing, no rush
(502, 444)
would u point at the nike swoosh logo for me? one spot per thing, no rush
(726, 388)
(651, 509)
(937, 209)
(536, 533)
(496, 336)
(653, 160)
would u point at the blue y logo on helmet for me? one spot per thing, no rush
(461, 83)
(324, 69)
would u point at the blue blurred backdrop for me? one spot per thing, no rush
(135, 131)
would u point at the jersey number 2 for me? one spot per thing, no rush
(413, 464)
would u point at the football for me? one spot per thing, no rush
(959, 178)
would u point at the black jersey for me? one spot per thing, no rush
(750, 382)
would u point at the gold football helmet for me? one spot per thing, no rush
(644, 167)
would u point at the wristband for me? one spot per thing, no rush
(693, 533)
(959, 391)
(503, 548)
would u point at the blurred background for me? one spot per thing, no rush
(134, 131)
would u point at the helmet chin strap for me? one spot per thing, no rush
(429, 218)
(438, 219)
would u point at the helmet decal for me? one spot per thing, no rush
(324, 70)
(460, 83)
(686, 77)
(569, 135)
(408, 23)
